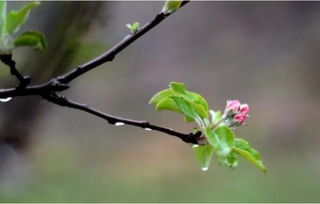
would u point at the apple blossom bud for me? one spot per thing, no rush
(239, 118)
(244, 109)
(233, 105)
(235, 113)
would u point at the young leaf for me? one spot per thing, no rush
(195, 99)
(16, 18)
(244, 149)
(31, 38)
(166, 93)
(171, 6)
(231, 161)
(185, 107)
(4, 38)
(203, 154)
(215, 116)
(222, 139)
(177, 87)
(167, 104)
(133, 27)
(3, 15)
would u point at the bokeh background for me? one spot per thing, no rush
(263, 53)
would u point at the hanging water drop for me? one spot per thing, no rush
(4, 100)
(119, 124)
(195, 145)
(204, 168)
(148, 129)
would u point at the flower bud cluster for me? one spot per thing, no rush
(235, 113)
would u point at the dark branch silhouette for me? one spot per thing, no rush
(49, 90)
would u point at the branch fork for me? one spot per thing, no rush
(49, 90)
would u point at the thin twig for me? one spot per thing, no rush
(118, 121)
(49, 90)
(23, 80)
(112, 52)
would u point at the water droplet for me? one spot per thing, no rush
(195, 145)
(119, 124)
(204, 168)
(4, 100)
(148, 129)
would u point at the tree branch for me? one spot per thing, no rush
(49, 90)
(111, 53)
(118, 121)
(23, 80)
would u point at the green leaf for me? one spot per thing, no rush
(167, 104)
(203, 154)
(191, 104)
(215, 116)
(171, 6)
(133, 27)
(3, 15)
(244, 149)
(178, 87)
(197, 98)
(161, 95)
(31, 38)
(222, 139)
(185, 107)
(16, 18)
(231, 161)
(197, 101)
(5, 47)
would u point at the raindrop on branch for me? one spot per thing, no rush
(5, 100)
(148, 129)
(204, 168)
(119, 124)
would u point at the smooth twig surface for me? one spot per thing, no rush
(111, 53)
(49, 90)
(23, 80)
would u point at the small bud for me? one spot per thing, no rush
(239, 119)
(171, 6)
(233, 105)
(235, 113)
(244, 109)
(134, 27)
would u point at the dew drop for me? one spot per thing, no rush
(148, 129)
(195, 145)
(4, 100)
(119, 124)
(204, 168)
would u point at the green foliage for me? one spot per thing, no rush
(204, 155)
(134, 27)
(222, 139)
(178, 99)
(32, 39)
(219, 138)
(11, 23)
(244, 149)
(171, 6)
(17, 18)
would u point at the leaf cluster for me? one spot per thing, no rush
(10, 24)
(220, 139)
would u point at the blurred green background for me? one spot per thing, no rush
(263, 53)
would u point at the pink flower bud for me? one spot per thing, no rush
(244, 109)
(240, 118)
(233, 105)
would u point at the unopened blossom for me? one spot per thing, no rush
(239, 119)
(235, 113)
(233, 105)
